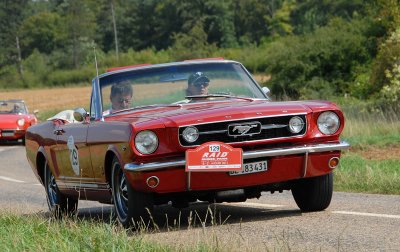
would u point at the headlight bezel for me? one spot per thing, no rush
(140, 142)
(188, 132)
(299, 121)
(328, 123)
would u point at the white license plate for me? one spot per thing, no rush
(7, 134)
(253, 167)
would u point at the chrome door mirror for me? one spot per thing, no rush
(266, 90)
(80, 114)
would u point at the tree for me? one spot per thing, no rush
(80, 25)
(42, 32)
(12, 13)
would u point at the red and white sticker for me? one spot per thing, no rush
(214, 156)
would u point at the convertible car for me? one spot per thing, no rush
(176, 133)
(14, 120)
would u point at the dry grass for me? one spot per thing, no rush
(51, 98)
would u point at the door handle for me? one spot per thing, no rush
(59, 131)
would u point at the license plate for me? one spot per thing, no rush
(253, 167)
(7, 134)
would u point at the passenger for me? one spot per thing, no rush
(197, 84)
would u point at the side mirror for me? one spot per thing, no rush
(266, 90)
(80, 114)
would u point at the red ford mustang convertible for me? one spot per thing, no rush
(182, 132)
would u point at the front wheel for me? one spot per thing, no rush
(313, 194)
(133, 208)
(59, 204)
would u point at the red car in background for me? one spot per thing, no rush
(15, 120)
(182, 132)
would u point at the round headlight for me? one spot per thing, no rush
(328, 123)
(190, 134)
(21, 122)
(146, 142)
(296, 124)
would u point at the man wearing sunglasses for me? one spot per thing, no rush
(121, 96)
(197, 84)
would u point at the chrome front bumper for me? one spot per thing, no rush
(305, 149)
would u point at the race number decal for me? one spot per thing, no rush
(73, 155)
(214, 156)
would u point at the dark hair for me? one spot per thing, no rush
(121, 88)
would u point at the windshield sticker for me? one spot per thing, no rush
(73, 155)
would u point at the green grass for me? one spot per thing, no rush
(367, 130)
(357, 174)
(38, 233)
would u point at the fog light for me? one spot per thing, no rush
(333, 162)
(152, 181)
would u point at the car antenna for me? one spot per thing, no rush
(97, 73)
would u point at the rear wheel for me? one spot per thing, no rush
(59, 204)
(133, 208)
(313, 194)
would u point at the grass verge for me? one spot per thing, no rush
(359, 174)
(38, 233)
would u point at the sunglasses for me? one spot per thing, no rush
(201, 84)
(124, 100)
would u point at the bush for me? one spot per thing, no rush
(67, 77)
(330, 55)
(385, 77)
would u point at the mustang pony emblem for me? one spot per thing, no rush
(244, 129)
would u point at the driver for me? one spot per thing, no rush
(197, 84)
(121, 96)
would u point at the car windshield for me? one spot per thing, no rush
(177, 84)
(12, 107)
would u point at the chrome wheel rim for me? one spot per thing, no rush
(51, 188)
(120, 192)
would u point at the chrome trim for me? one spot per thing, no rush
(263, 127)
(314, 148)
(273, 126)
(247, 118)
(212, 132)
(305, 165)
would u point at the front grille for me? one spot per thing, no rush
(271, 127)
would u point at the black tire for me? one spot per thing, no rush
(59, 204)
(313, 194)
(133, 209)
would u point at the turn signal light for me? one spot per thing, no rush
(333, 162)
(152, 181)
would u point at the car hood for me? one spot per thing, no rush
(198, 113)
(10, 120)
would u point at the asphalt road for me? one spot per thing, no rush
(353, 222)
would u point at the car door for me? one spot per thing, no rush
(73, 152)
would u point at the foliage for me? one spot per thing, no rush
(320, 64)
(309, 48)
(385, 76)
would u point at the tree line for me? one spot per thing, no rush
(310, 48)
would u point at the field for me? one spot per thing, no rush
(51, 99)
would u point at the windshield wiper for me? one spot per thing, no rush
(226, 95)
